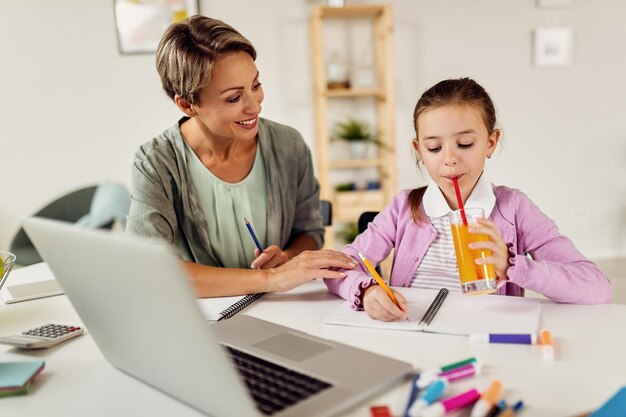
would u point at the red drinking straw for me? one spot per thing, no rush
(459, 199)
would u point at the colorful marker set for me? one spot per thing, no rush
(544, 339)
(484, 405)
(431, 385)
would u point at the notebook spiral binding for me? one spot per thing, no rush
(240, 305)
(435, 306)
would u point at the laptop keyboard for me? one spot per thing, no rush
(272, 386)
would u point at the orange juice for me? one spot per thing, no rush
(475, 279)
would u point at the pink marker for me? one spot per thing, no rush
(464, 371)
(454, 403)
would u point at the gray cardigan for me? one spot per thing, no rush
(165, 203)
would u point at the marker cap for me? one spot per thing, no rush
(547, 345)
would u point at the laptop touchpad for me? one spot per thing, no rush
(290, 346)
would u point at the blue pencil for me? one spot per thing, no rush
(256, 241)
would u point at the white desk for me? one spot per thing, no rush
(590, 364)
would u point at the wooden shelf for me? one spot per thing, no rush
(350, 12)
(348, 205)
(355, 163)
(378, 93)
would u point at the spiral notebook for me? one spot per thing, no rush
(452, 313)
(220, 308)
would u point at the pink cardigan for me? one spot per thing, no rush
(555, 267)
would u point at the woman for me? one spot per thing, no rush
(194, 184)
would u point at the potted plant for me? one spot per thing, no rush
(348, 232)
(345, 186)
(358, 134)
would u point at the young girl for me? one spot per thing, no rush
(455, 132)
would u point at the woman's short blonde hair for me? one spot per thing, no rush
(189, 50)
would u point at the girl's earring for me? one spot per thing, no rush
(488, 156)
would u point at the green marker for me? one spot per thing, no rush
(449, 367)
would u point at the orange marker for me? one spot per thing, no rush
(547, 345)
(378, 278)
(487, 400)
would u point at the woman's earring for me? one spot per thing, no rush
(488, 156)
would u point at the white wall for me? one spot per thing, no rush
(73, 110)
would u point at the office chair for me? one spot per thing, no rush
(326, 208)
(96, 206)
(364, 220)
(110, 203)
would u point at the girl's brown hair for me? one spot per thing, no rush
(458, 91)
(189, 50)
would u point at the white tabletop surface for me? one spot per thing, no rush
(589, 367)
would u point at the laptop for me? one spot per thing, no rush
(134, 298)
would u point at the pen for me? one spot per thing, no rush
(378, 278)
(454, 403)
(524, 339)
(448, 367)
(511, 411)
(487, 400)
(432, 394)
(256, 241)
(547, 345)
(452, 375)
(412, 394)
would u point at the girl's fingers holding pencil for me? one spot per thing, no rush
(379, 306)
(402, 303)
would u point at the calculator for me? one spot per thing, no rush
(42, 337)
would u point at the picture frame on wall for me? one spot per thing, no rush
(553, 46)
(141, 23)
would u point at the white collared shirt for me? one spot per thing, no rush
(438, 269)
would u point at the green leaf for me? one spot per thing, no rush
(356, 130)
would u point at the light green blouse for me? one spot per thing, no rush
(165, 201)
(226, 204)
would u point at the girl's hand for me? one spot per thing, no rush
(308, 266)
(379, 306)
(271, 257)
(499, 250)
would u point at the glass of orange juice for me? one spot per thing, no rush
(475, 279)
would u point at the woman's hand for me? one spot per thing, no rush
(379, 306)
(271, 257)
(496, 244)
(307, 266)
